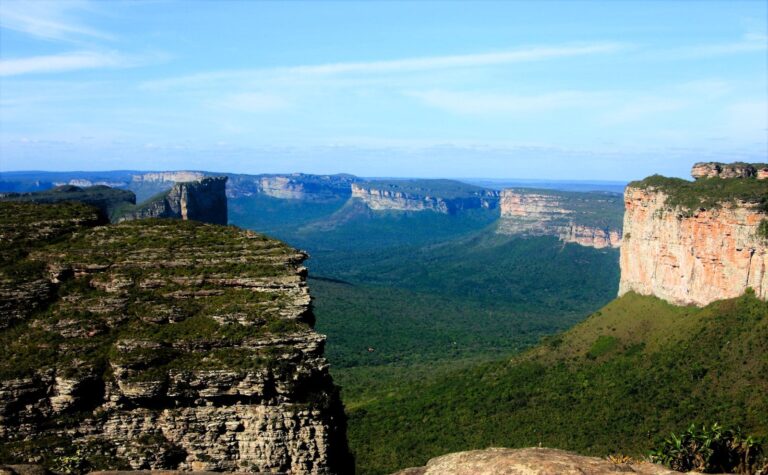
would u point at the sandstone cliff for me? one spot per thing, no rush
(162, 344)
(588, 219)
(441, 196)
(295, 186)
(203, 200)
(695, 242)
(729, 170)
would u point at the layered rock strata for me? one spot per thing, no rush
(729, 170)
(571, 217)
(203, 200)
(168, 344)
(392, 196)
(692, 256)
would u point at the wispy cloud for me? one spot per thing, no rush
(63, 62)
(404, 65)
(481, 103)
(640, 108)
(51, 20)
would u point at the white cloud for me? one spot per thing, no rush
(481, 103)
(406, 65)
(539, 53)
(51, 20)
(62, 62)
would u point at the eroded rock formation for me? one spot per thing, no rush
(164, 344)
(729, 170)
(202, 200)
(405, 196)
(691, 256)
(573, 217)
(532, 461)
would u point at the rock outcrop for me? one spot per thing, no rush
(692, 243)
(164, 344)
(202, 200)
(729, 170)
(588, 219)
(441, 196)
(532, 461)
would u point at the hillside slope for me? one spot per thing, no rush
(633, 371)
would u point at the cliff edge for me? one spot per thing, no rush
(159, 344)
(696, 242)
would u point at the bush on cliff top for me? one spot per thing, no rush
(709, 193)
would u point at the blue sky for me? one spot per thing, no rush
(556, 90)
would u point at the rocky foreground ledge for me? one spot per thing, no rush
(531, 461)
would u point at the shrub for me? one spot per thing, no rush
(710, 450)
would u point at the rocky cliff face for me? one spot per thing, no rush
(294, 186)
(404, 196)
(691, 257)
(163, 344)
(729, 170)
(581, 218)
(203, 200)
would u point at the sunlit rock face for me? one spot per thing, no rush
(531, 213)
(530, 461)
(161, 344)
(691, 257)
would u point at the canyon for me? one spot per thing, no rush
(587, 219)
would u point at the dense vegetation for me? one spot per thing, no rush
(707, 193)
(407, 296)
(631, 373)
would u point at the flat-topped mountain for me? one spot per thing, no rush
(442, 196)
(587, 218)
(696, 242)
(159, 344)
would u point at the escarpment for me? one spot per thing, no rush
(588, 219)
(441, 196)
(696, 242)
(296, 186)
(202, 200)
(161, 344)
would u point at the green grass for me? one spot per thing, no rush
(660, 369)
